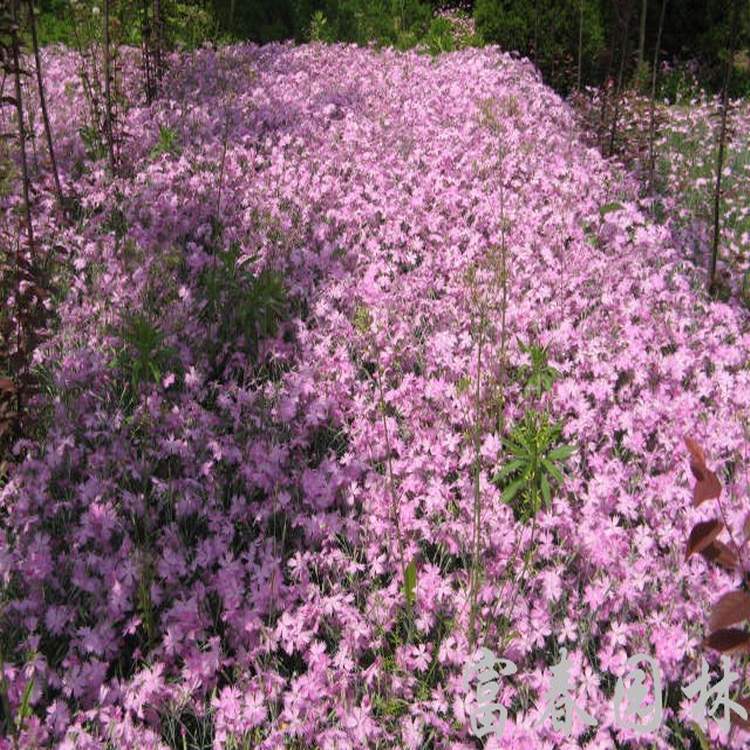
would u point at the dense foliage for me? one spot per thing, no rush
(548, 32)
(553, 34)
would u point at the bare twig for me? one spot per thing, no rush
(652, 112)
(43, 102)
(15, 44)
(722, 146)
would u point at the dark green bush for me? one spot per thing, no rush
(546, 32)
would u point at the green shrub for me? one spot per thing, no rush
(547, 32)
(142, 356)
(167, 144)
(439, 37)
(242, 306)
(536, 456)
(400, 23)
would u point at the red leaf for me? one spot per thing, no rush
(696, 452)
(732, 608)
(718, 552)
(707, 488)
(738, 720)
(702, 535)
(697, 459)
(699, 470)
(6, 384)
(729, 641)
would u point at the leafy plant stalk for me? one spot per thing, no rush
(732, 610)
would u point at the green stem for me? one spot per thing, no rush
(392, 488)
(526, 559)
(474, 589)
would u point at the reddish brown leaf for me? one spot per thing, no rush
(702, 535)
(696, 452)
(707, 488)
(729, 641)
(6, 385)
(732, 608)
(718, 552)
(697, 464)
(699, 470)
(738, 720)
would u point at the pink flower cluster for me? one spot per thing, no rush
(223, 553)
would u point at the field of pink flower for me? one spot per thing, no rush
(685, 173)
(261, 390)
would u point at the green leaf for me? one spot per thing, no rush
(609, 207)
(552, 469)
(517, 449)
(700, 734)
(509, 468)
(563, 453)
(512, 490)
(410, 583)
(24, 710)
(546, 490)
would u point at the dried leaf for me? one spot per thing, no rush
(729, 641)
(702, 535)
(732, 608)
(707, 488)
(718, 552)
(7, 385)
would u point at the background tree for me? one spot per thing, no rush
(554, 34)
(642, 32)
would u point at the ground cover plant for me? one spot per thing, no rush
(359, 360)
